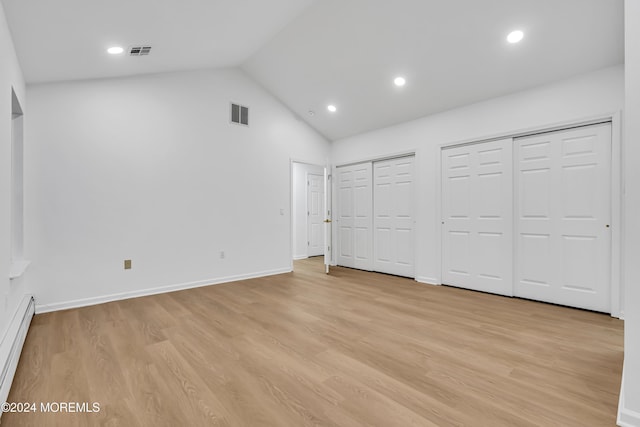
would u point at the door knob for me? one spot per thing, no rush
(327, 220)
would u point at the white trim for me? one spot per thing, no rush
(428, 280)
(439, 217)
(617, 234)
(334, 217)
(534, 130)
(378, 159)
(626, 417)
(12, 343)
(617, 288)
(291, 243)
(64, 305)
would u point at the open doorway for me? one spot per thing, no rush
(308, 212)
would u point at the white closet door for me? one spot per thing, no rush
(393, 216)
(355, 216)
(477, 206)
(563, 214)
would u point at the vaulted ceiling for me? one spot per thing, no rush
(312, 53)
(67, 39)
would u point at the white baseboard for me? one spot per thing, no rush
(428, 280)
(626, 417)
(65, 305)
(11, 345)
(299, 257)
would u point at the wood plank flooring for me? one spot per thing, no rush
(306, 349)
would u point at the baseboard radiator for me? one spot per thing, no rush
(12, 343)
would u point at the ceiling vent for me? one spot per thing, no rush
(239, 114)
(140, 50)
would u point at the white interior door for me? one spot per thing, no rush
(393, 216)
(315, 214)
(477, 208)
(354, 219)
(563, 214)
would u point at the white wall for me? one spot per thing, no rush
(11, 291)
(596, 93)
(300, 230)
(150, 169)
(629, 411)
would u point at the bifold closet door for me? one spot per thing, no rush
(563, 213)
(477, 208)
(354, 220)
(393, 216)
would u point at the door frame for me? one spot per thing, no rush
(291, 200)
(617, 225)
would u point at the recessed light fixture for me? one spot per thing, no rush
(311, 113)
(332, 108)
(399, 81)
(515, 36)
(115, 50)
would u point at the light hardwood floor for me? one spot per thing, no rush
(348, 349)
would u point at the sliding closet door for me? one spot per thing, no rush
(563, 214)
(477, 207)
(393, 216)
(355, 205)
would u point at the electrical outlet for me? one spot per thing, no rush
(127, 264)
(221, 254)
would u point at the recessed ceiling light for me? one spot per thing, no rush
(399, 81)
(515, 36)
(332, 108)
(311, 113)
(115, 50)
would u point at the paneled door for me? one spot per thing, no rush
(563, 215)
(393, 216)
(354, 220)
(315, 214)
(477, 216)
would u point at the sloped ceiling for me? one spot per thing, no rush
(311, 53)
(452, 53)
(67, 39)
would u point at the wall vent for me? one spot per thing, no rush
(239, 114)
(140, 50)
